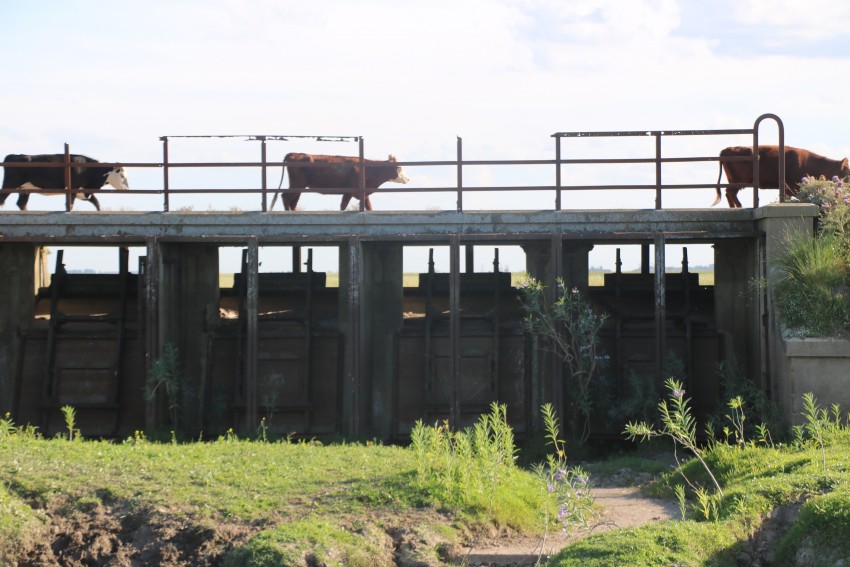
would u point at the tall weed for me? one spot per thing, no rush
(465, 467)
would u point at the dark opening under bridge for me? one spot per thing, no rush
(370, 357)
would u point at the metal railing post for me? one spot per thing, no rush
(557, 173)
(362, 180)
(658, 170)
(164, 173)
(263, 169)
(68, 202)
(459, 173)
(781, 166)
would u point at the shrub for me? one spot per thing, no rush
(571, 325)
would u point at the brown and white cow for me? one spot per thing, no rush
(51, 180)
(798, 164)
(336, 172)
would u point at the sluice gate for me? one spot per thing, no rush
(370, 355)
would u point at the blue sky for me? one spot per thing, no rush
(110, 78)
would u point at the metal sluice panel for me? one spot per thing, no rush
(297, 393)
(104, 404)
(424, 390)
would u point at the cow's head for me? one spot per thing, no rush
(400, 176)
(117, 178)
(845, 168)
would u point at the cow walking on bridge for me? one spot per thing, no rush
(798, 164)
(51, 180)
(336, 172)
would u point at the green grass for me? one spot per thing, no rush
(337, 503)
(341, 504)
(756, 481)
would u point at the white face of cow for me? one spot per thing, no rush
(400, 176)
(117, 178)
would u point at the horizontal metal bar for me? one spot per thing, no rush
(268, 137)
(635, 133)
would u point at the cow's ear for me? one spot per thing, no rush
(390, 157)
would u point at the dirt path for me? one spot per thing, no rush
(622, 507)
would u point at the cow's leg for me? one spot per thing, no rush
(91, 198)
(346, 198)
(732, 198)
(368, 203)
(290, 201)
(23, 198)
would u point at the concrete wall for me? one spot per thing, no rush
(381, 319)
(815, 365)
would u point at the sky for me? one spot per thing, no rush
(111, 78)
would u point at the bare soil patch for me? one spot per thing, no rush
(116, 534)
(621, 507)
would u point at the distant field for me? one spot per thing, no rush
(706, 277)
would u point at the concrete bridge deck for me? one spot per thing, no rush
(506, 226)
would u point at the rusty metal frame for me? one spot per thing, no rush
(557, 187)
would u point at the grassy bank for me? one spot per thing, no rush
(235, 501)
(781, 504)
(243, 502)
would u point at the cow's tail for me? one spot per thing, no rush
(719, 176)
(279, 185)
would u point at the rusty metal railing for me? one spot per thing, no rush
(459, 163)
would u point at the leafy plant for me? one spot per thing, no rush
(466, 467)
(569, 322)
(70, 415)
(165, 376)
(567, 488)
(677, 423)
(820, 424)
(759, 414)
(737, 418)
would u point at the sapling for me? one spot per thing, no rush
(70, 415)
(572, 326)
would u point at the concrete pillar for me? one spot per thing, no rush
(381, 319)
(188, 303)
(736, 310)
(542, 264)
(350, 285)
(575, 265)
(778, 223)
(17, 305)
